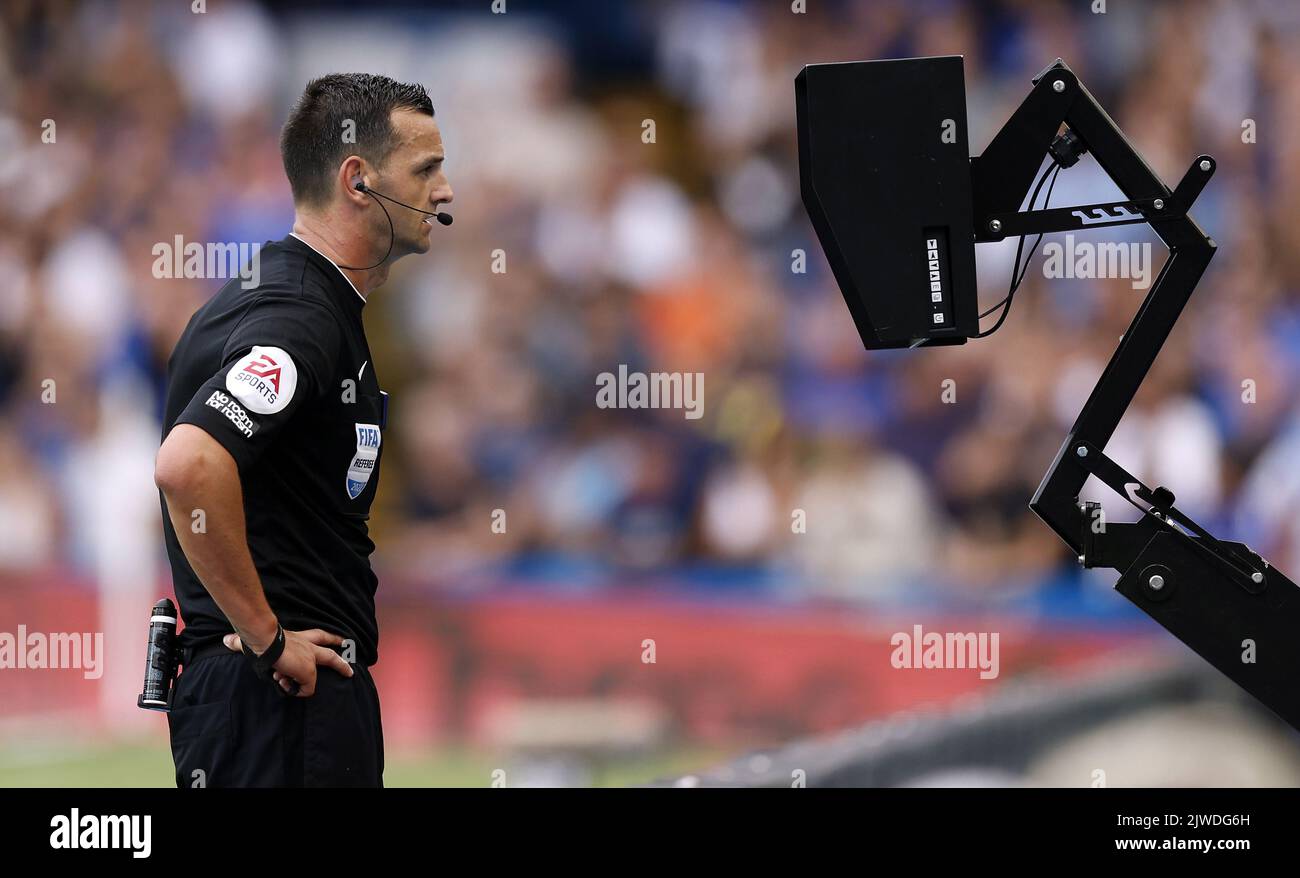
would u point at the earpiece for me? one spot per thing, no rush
(360, 186)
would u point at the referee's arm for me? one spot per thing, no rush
(195, 471)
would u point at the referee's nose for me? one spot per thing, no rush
(442, 194)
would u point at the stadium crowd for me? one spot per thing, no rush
(627, 193)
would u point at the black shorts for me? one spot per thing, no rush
(231, 729)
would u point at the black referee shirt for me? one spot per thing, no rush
(280, 375)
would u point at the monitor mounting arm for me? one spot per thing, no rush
(1218, 597)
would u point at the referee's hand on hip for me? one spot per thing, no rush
(303, 651)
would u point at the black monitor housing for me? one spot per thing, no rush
(876, 178)
(885, 174)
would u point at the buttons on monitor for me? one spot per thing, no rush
(934, 264)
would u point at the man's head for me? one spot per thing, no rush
(350, 127)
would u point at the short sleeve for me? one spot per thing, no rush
(279, 357)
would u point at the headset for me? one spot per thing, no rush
(360, 185)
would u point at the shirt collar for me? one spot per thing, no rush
(333, 263)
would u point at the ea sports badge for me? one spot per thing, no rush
(263, 379)
(363, 462)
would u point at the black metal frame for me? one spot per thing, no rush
(1218, 597)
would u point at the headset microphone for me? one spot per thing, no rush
(444, 218)
(360, 186)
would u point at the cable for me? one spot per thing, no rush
(360, 186)
(1018, 274)
(392, 234)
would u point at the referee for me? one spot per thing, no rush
(272, 440)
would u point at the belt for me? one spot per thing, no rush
(195, 654)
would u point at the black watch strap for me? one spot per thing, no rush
(264, 664)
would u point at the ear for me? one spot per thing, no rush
(351, 178)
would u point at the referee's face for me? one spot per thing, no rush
(414, 172)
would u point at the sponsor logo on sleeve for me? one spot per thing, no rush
(264, 379)
(363, 462)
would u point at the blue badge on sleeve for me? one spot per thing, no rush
(363, 462)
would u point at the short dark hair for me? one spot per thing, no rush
(312, 143)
